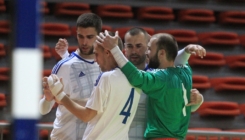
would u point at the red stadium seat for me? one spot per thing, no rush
(55, 29)
(74, 31)
(4, 27)
(2, 50)
(2, 6)
(196, 15)
(228, 83)
(235, 61)
(46, 52)
(232, 17)
(45, 9)
(106, 27)
(219, 38)
(70, 50)
(242, 39)
(211, 59)
(191, 137)
(47, 72)
(123, 30)
(115, 11)
(219, 108)
(200, 82)
(242, 108)
(155, 13)
(71, 8)
(4, 74)
(182, 35)
(3, 102)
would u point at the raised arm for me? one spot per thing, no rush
(184, 54)
(61, 48)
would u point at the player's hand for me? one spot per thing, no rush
(54, 84)
(196, 50)
(57, 101)
(107, 41)
(61, 47)
(196, 97)
(46, 91)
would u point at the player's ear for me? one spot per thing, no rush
(161, 53)
(107, 52)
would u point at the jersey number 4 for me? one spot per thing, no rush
(127, 106)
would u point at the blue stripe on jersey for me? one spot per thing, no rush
(92, 62)
(98, 79)
(60, 63)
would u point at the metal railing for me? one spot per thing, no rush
(196, 133)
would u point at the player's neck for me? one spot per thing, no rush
(166, 64)
(86, 56)
(141, 66)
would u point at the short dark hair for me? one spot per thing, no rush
(169, 44)
(137, 30)
(90, 20)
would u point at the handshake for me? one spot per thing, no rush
(56, 87)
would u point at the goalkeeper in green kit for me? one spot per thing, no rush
(168, 87)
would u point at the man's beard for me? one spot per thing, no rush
(87, 53)
(154, 62)
(141, 59)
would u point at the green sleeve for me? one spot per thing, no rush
(147, 81)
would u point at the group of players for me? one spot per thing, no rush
(107, 90)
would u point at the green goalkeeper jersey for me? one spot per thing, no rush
(168, 91)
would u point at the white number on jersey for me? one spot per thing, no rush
(185, 100)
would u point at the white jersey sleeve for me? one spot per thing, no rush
(45, 106)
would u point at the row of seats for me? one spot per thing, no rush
(199, 81)
(145, 13)
(221, 108)
(219, 83)
(182, 35)
(152, 13)
(213, 59)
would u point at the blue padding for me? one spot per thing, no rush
(25, 129)
(27, 23)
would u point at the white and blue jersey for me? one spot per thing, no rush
(79, 75)
(116, 102)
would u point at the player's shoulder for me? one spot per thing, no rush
(62, 63)
(112, 74)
